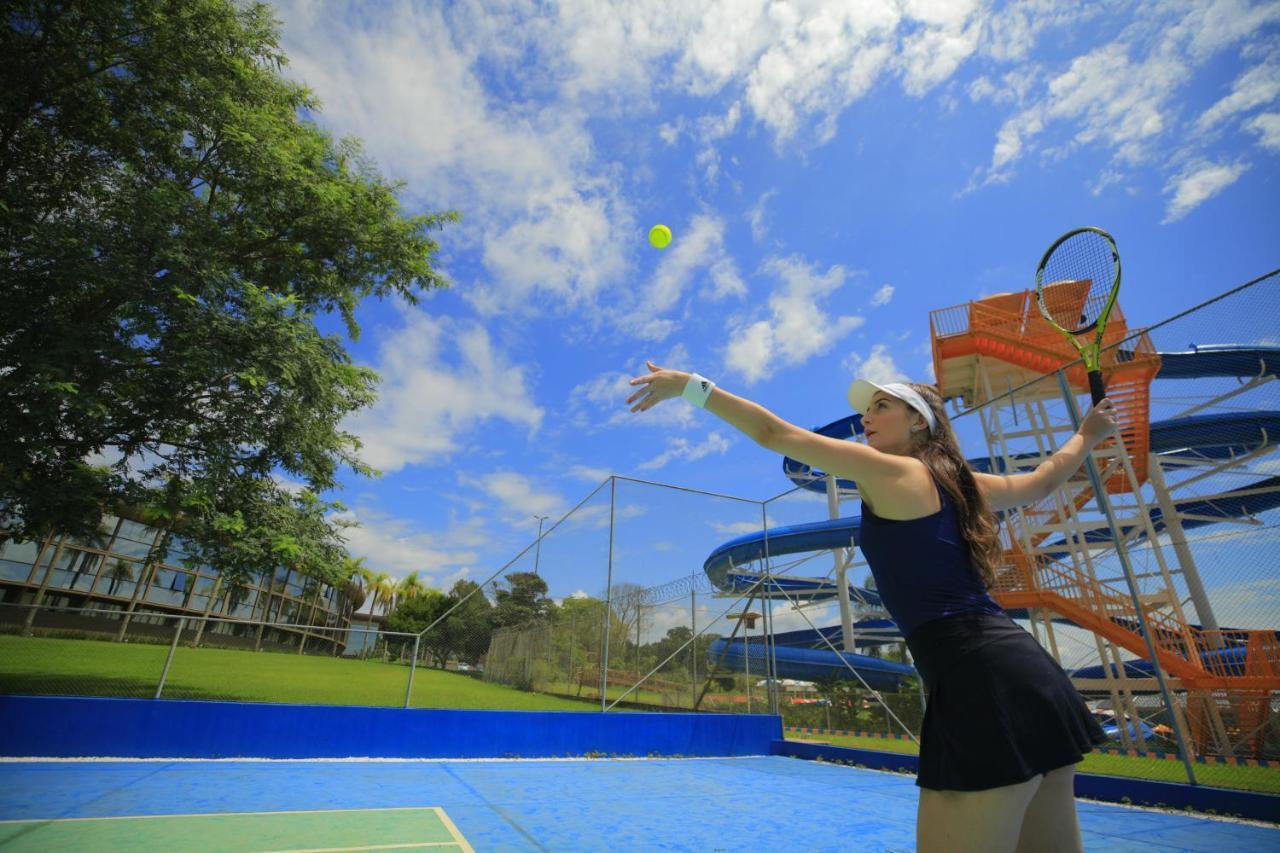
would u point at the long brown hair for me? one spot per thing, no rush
(941, 452)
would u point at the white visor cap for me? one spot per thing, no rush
(861, 392)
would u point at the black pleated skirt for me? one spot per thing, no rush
(1000, 710)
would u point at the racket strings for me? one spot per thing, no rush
(1078, 276)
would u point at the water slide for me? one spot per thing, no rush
(806, 654)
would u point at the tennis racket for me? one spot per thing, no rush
(1076, 287)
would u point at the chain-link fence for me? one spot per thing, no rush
(1161, 598)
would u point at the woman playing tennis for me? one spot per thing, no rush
(1003, 726)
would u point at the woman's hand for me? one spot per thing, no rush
(656, 386)
(1098, 423)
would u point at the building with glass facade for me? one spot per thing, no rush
(284, 611)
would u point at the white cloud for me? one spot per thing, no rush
(1121, 96)
(521, 498)
(819, 64)
(878, 366)
(546, 216)
(982, 89)
(1257, 86)
(797, 61)
(756, 216)
(1267, 126)
(293, 487)
(882, 296)
(589, 474)
(931, 53)
(797, 327)
(396, 546)
(440, 379)
(1198, 183)
(681, 448)
(1010, 34)
(699, 247)
(1108, 99)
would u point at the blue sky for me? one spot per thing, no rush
(831, 171)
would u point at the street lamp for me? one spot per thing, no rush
(537, 554)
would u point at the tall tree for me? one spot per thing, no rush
(468, 628)
(172, 227)
(521, 599)
(415, 613)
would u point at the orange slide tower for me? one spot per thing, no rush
(1000, 344)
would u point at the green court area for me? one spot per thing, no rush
(1263, 779)
(253, 832)
(42, 666)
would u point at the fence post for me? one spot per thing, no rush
(770, 662)
(168, 661)
(1104, 504)
(413, 667)
(693, 647)
(608, 601)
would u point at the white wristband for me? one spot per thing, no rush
(697, 390)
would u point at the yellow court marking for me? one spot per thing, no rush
(453, 830)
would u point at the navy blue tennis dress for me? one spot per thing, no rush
(1000, 709)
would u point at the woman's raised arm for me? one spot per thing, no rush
(1014, 490)
(835, 456)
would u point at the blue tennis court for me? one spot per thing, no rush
(747, 803)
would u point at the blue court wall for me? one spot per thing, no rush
(1115, 789)
(67, 726)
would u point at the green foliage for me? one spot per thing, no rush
(414, 614)
(467, 629)
(172, 226)
(670, 644)
(521, 599)
(256, 526)
(464, 633)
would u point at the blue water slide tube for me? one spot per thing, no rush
(807, 664)
(1222, 360)
(871, 632)
(1211, 511)
(1228, 661)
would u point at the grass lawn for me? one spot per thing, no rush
(1264, 779)
(42, 666)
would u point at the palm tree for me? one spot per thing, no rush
(358, 581)
(384, 593)
(410, 586)
(121, 571)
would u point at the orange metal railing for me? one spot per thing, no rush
(1010, 328)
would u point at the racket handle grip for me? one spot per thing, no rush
(1096, 387)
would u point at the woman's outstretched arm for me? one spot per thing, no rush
(858, 462)
(1014, 490)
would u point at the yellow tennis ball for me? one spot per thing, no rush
(659, 236)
